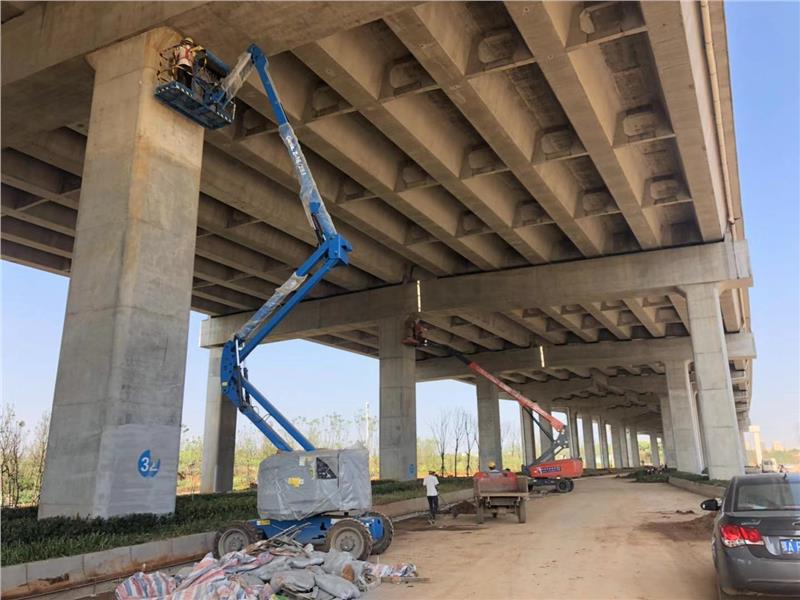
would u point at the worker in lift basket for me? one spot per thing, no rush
(430, 482)
(492, 467)
(184, 61)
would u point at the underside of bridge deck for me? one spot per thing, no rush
(551, 187)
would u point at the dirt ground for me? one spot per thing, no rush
(609, 538)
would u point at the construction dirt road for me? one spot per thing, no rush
(609, 538)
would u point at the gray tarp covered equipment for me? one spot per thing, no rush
(295, 485)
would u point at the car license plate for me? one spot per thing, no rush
(790, 546)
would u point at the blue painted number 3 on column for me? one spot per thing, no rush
(148, 466)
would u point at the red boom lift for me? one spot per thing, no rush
(545, 470)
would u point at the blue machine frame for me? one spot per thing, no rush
(313, 530)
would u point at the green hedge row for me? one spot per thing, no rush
(389, 486)
(27, 539)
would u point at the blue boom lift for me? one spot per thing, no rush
(209, 101)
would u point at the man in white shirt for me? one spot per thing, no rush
(430, 482)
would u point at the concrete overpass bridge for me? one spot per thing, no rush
(552, 187)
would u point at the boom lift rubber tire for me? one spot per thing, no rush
(562, 486)
(234, 537)
(522, 511)
(349, 535)
(571, 484)
(380, 546)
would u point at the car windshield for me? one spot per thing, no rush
(770, 494)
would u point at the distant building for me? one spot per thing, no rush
(755, 432)
(777, 447)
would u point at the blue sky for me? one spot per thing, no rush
(310, 380)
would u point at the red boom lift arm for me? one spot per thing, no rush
(545, 466)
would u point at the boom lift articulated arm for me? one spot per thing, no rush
(333, 250)
(311, 513)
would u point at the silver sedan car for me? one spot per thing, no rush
(756, 538)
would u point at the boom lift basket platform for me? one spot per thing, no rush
(179, 97)
(202, 101)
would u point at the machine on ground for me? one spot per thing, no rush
(314, 496)
(545, 470)
(500, 492)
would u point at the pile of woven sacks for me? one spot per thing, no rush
(275, 574)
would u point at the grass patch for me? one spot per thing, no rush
(641, 476)
(26, 539)
(385, 492)
(702, 478)
(644, 477)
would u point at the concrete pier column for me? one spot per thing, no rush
(616, 442)
(667, 436)
(528, 440)
(398, 402)
(115, 428)
(713, 380)
(603, 443)
(683, 414)
(624, 446)
(744, 424)
(636, 458)
(655, 459)
(219, 433)
(574, 445)
(489, 446)
(696, 397)
(588, 442)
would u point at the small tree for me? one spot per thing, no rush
(510, 444)
(248, 453)
(11, 454)
(470, 438)
(190, 459)
(313, 429)
(440, 429)
(460, 434)
(366, 428)
(337, 431)
(38, 452)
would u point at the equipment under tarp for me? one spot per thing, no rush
(295, 485)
